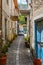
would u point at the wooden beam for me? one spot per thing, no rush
(15, 3)
(14, 18)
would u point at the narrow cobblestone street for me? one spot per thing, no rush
(18, 54)
(21, 32)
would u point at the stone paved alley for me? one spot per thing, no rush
(18, 54)
(21, 17)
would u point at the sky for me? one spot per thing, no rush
(22, 2)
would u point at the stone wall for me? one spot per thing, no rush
(28, 25)
(5, 17)
(37, 12)
(7, 12)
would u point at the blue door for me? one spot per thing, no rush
(39, 39)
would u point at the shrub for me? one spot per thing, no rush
(4, 48)
(26, 38)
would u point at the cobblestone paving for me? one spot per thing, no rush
(18, 54)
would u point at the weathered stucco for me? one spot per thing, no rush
(37, 12)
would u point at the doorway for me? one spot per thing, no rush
(39, 39)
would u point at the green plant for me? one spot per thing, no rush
(4, 50)
(26, 38)
(21, 19)
(3, 56)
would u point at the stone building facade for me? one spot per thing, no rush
(8, 17)
(36, 15)
(5, 18)
(8, 14)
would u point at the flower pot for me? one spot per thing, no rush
(3, 60)
(37, 62)
(27, 45)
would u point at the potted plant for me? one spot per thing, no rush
(26, 40)
(27, 44)
(3, 56)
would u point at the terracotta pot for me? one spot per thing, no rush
(3, 60)
(37, 62)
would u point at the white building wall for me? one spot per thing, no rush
(5, 7)
(7, 11)
(11, 7)
(39, 13)
(28, 25)
(3, 28)
(16, 27)
(35, 14)
(5, 14)
(29, 2)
